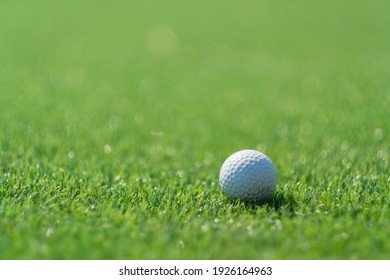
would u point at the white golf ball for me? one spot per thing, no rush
(248, 175)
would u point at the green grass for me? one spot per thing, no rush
(115, 119)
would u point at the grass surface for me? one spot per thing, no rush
(115, 119)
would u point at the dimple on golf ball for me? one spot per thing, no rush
(248, 175)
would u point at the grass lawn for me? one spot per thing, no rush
(115, 119)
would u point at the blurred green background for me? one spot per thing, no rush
(115, 118)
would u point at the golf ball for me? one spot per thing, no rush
(248, 175)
